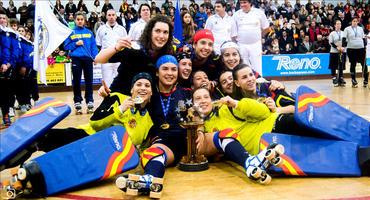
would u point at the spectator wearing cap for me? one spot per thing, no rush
(185, 69)
(249, 25)
(220, 25)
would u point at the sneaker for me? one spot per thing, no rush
(335, 81)
(257, 165)
(354, 83)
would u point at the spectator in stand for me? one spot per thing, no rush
(12, 10)
(188, 27)
(220, 25)
(124, 7)
(107, 6)
(154, 7)
(81, 6)
(306, 46)
(71, 21)
(30, 25)
(58, 5)
(23, 11)
(2, 9)
(200, 18)
(70, 8)
(274, 47)
(92, 20)
(320, 45)
(130, 18)
(96, 7)
(135, 5)
(31, 10)
(137, 28)
(285, 39)
(313, 31)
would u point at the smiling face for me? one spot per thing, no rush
(142, 88)
(226, 82)
(202, 98)
(167, 74)
(200, 80)
(231, 57)
(203, 48)
(246, 79)
(160, 34)
(185, 67)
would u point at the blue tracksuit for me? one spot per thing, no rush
(82, 60)
(88, 50)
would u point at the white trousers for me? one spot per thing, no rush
(109, 72)
(252, 55)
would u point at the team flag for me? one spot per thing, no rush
(177, 32)
(49, 34)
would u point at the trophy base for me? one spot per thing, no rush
(193, 167)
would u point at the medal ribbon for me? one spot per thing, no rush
(167, 107)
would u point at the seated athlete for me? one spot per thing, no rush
(116, 109)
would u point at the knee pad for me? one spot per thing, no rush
(224, 134)
(150, 154)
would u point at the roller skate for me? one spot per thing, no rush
(365, 84)
(354, 83)
(90, 107)
(134, 185)
(257, 165)
(78, 108)
(342, 82)
(335, 81)
(21, 182)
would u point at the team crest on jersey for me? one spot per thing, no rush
(132, 123)
(43, 37)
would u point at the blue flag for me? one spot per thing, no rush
(177, 32)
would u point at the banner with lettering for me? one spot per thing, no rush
(295, 64)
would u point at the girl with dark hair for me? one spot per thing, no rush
(155, 41)
(188, 27)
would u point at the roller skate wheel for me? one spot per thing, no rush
(155, 187)
(256, 172)
(155, 195)
(14, 171)
(265, 180)
(121, 182)
(6, 183)
(270, 154)
(22, 174)
(17, 185)
(10, 194)
(278, 162)
(279, 149)
(132, 192)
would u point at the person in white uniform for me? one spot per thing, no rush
(220, 25)
(137, 28)
(106, 36)
(249, 24)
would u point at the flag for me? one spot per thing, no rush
(177, 32)
(49, 34)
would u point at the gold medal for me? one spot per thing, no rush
(132, 123)
(165, 126)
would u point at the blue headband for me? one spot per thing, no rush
(166, 59)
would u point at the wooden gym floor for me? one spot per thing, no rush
(225, 180)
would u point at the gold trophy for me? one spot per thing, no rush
(192, 122)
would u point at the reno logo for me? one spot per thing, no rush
(287, 63)
(115, 141)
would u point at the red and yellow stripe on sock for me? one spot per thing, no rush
(289, 167)
(119, 159)
(42, 107)
(149, 154)
(228, 133)
(316, 99)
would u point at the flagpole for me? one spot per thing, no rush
(66, 23)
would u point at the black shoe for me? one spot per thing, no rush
(354, 83)
(365, 84)
(335, 81)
